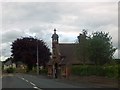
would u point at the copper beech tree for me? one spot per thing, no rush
(25, 50)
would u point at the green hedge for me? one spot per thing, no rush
(43, 71)
(87, 70)
(10, 70)
(112, 71)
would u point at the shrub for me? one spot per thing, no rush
(111, 71)
(10, 70)
(43, 71)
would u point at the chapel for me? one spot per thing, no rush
(63, 56)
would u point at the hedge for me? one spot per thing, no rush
(111, 71)
(10, 70)
(44, 71)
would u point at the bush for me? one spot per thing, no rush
(10, 70)
(43, 71)
(87, 70)
(111, 71)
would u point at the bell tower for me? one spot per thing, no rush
(55, 46)
(55, 37)
(55, 53)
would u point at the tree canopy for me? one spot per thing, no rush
(25, 50)
(98, 48)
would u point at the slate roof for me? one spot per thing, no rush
(68, 55)
(68, 52)
(7, 62)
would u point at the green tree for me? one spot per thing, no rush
(100, 48)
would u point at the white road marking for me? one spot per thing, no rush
(22, 78)
(37, 88)
(26, 80)
(32, 84)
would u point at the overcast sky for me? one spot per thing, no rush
(39, 19)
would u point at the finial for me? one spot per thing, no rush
(54, 30)
(55, 36)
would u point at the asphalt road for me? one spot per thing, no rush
(30, 81)
(11, 81)
(37, 82)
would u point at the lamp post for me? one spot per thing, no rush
(37, 60)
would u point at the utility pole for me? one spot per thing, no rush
(37, 60)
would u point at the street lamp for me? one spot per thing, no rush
(37, 60)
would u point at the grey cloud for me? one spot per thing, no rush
(119, 45)
(52, 12)
(30, 12)
(11, 35)
(40, 18)
(6, 49)
(119, 53)
(40, 31)
(90, 16)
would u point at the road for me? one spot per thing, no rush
(36, 82)
(32, 81)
